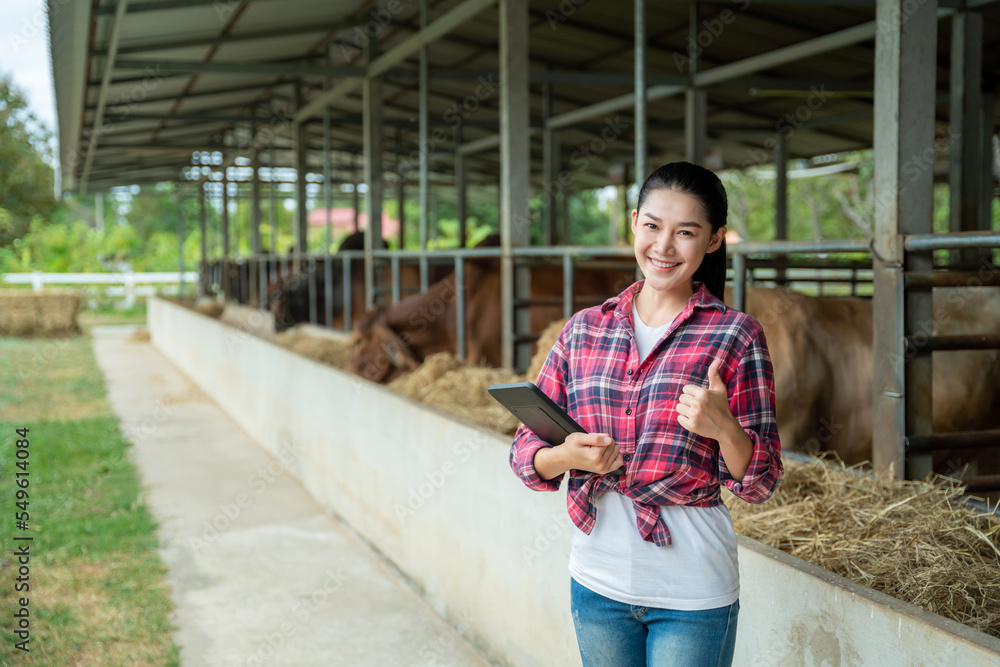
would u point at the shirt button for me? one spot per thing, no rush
(629, 371)
(626, 457)
(628, 411)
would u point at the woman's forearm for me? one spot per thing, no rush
(736, 449)
(549, 462)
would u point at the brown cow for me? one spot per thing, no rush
(821, 349)
(387, 342)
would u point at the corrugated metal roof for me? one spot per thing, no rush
(245, 57)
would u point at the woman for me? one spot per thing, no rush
(678, 388)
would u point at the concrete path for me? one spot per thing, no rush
(260, 574)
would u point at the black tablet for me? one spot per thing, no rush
(538, 412)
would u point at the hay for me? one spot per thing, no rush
(545, 343)
(208, 306)
(329, 349)
(139, 336)
(913, 540)
(445, 382)
(45, 314)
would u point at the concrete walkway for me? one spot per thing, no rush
(260, 574)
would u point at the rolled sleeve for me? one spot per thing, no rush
(752, 404)
(551, 380)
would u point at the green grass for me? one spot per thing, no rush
(97, 594)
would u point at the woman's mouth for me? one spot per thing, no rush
(663, 266)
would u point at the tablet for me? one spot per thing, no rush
(538, 412)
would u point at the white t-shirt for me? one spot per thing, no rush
(699, 570)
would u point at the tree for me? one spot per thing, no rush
(26, 179)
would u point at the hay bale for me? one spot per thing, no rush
(329, 349)
(913, 540)
(48, 313)
(545, 342)
(209, 306)
(445, 382)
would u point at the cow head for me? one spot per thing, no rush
(377, 352)
(277, 303)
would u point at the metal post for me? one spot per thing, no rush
(695, 100)
(346, 284)
(255, 245)
(328, 288)
(202, 225)
(272, 212)
(640, 95)
(781, 198)
(986, 179)
(400, 189)
(966, 143)
(548, 168)
(372, 110)
(301, 166)
(311, 268)
(460, 191)
(327, 195)
(904, 128)
(225, 235)
(394, 266)
(460, 352)
(180, 244)
(424, 161)
(569, 278)
(514, 174)
(739, 281)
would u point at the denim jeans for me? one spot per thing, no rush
(617, 634)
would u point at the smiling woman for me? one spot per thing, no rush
(669, 382)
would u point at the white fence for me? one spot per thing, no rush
(126, 284)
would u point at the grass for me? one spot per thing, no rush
(98, 595)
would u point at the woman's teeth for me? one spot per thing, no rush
(663, 265)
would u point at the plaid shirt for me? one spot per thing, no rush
(594, 373)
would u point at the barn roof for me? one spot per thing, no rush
(141, 86)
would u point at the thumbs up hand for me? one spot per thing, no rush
(705, 412)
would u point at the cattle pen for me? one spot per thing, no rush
(256, 109)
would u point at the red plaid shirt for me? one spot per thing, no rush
(594, 373)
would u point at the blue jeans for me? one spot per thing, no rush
(617, 634)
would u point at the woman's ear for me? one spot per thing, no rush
(635, 213)
(716, 241)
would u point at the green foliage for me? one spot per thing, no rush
(26, 180)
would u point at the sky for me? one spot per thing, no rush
(24, 55)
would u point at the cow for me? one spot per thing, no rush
(387, 342)
(821, 350)
(288, 298)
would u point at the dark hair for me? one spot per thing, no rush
(705, 186)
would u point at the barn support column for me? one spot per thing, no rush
(400, 188)
(180, 241)
(327, 195)
(204, 283)
(272, 212)
(640, 101)
(904, 130)
(695, 99)
(515, 223)
(258, 289)
(461, 192)
(781, 196)
(987, 182)
(372, 110)
(422, 147)
(301, 166)
(966, 141)
(225, 235)
(356, 201)
(549, 168)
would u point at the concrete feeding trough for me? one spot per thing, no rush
(435, 496)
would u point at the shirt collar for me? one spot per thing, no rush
(621, 305)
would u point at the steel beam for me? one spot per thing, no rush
(372, 95)
(966, 143)
(514, 171)
(301, 166)
(639, 89)
(904, 127)
(424, 183)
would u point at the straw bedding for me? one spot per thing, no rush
(38, 314)
(913, 540)
(329, 349)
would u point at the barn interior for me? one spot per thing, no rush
(512, 98)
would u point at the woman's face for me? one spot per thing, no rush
(672, 236)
